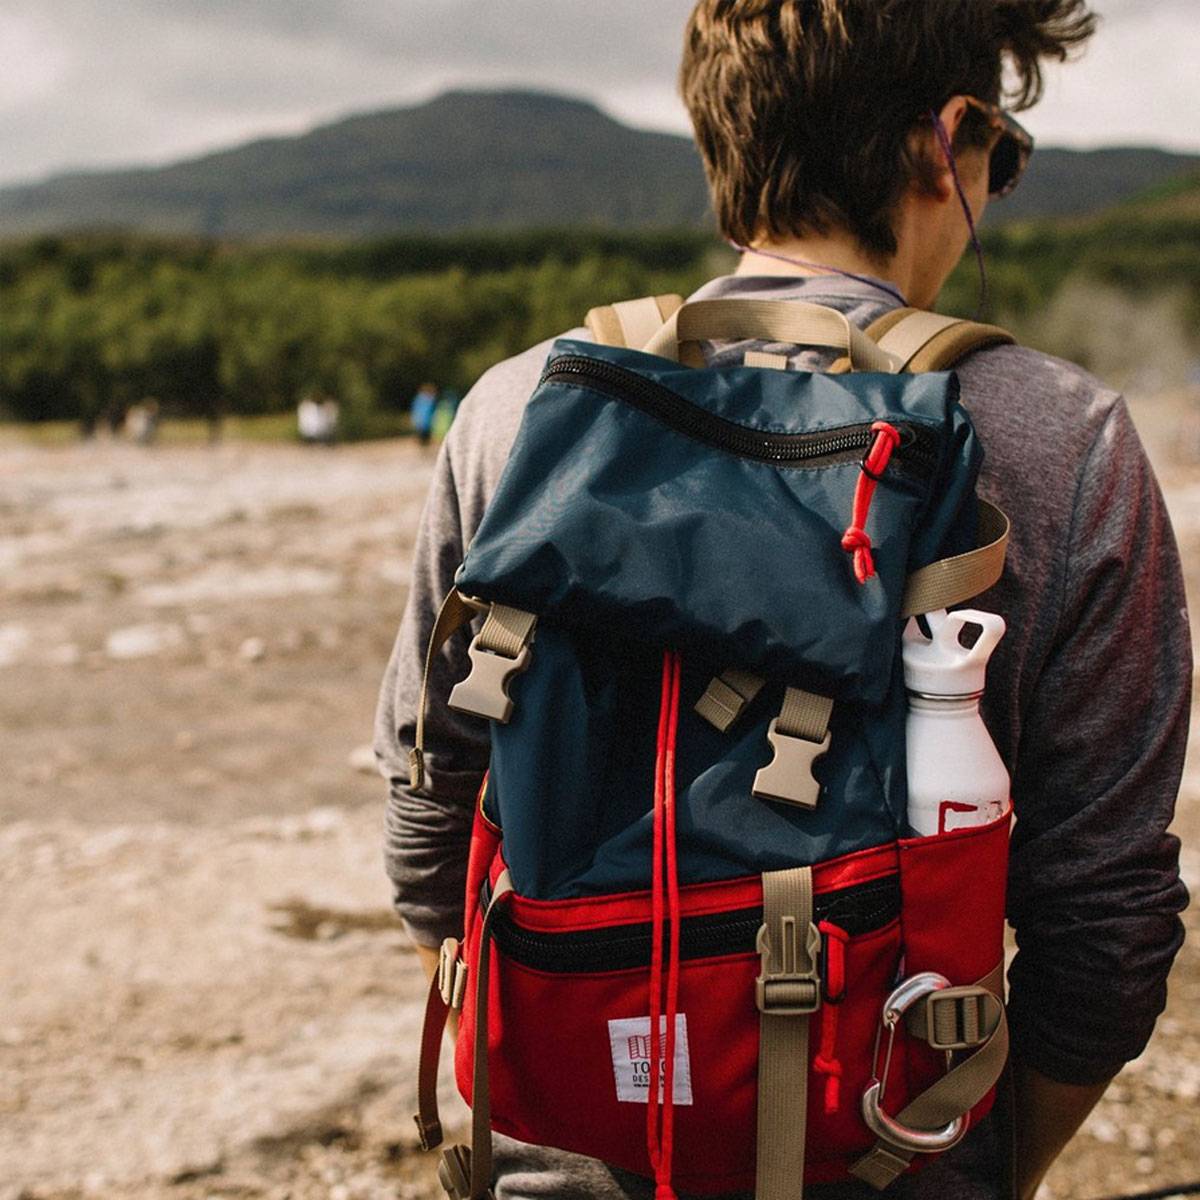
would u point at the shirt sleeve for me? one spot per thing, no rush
(1094, 886)
(427, 834)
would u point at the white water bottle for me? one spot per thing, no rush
(956, 777)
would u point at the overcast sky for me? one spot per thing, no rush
(89, 83)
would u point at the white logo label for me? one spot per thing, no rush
(630, 1042)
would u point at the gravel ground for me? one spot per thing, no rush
(202, 990)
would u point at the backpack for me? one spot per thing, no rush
(701, 942)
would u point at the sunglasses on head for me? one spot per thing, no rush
(1010, 151)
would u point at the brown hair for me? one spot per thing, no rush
(802, 109)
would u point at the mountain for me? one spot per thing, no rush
(477, 161)
(1065, 183)
(466, 160)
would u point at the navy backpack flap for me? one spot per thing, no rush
(704, 510)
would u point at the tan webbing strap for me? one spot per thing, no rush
(452, 616)
(791, 322)
(429, 1124)
(640, 319)
(950, 581)
(459, 1166)
(804, 715)
(603, 325)
(952, 1096)
(945, 349)
(631, 322)
(927, 341)
(726, 697)
(906, 337)
(788, 992)
(760, 358)
(892, 317)
(506, 630)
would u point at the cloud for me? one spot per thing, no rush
(1135, 84)
(146, 81)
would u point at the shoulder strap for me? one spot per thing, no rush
(631, 323)
(925, 341)
(951, 581)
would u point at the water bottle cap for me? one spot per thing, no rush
(941, 665)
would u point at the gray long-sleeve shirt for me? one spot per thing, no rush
(1087, 701)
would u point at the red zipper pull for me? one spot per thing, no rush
(856, 540)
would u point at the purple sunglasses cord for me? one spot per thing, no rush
(948, 151)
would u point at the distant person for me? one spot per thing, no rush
(444, 413)
(309, 421)
(141, 422)
(851, 147)
(317, 420)
(424, 403)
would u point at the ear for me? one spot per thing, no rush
(951, 117)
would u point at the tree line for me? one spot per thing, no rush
(90, 324)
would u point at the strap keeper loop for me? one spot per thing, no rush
(416, 769)
(429, 1135)
(727, 696)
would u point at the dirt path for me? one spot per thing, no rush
(202, 991)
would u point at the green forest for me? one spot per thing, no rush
(93, 323)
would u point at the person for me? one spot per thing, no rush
(317, 419)
(141, 422)
(424, 404)
(851, 146)
(309, 419)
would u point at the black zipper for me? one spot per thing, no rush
(918, 449)
(857, 910)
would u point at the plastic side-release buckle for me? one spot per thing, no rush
(959, 1018)
(452, 974)
(789, 990)
(789, 775)
(454, 1174)
(484, 692)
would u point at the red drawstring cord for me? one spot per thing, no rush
(826, 1061)
(662, 1152)
(656, 916)
(856, 539)
(664, 1191)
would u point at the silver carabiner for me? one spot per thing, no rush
(920, 1141)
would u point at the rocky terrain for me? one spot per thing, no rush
(202, 990)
